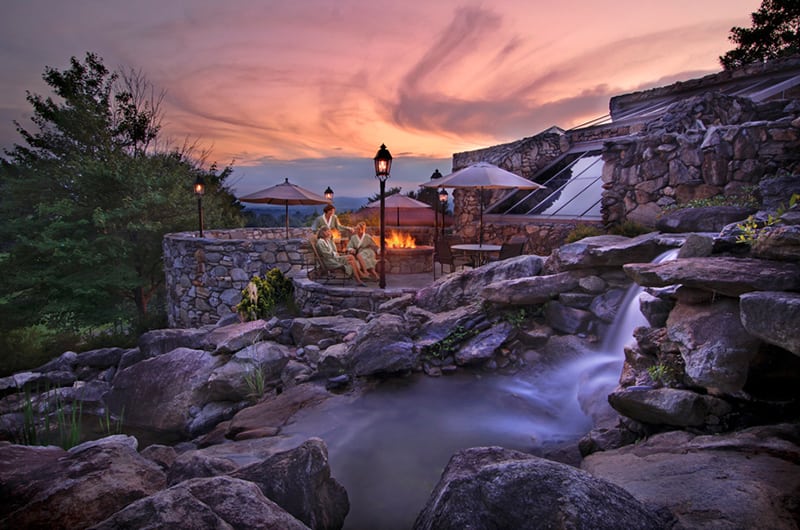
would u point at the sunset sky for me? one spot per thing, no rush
(309, 89)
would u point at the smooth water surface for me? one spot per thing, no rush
(389, 447)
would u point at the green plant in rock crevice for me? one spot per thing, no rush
(659, 373)
(59, 423)
(263, 295)
(255, 380)
(109, 425)
(750, 228)
(447, 345)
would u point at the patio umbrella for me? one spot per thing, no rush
(398, 201)
(483, 176)
(285, 193)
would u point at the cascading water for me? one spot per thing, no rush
(388, 447)
(597, 374)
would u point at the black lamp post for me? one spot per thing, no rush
(443, 201)
(435, 176)
(329, 193)
(383, 164)
(199, 190)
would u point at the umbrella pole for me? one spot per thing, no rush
(480, 233)
(287, 219)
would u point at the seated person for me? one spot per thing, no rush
(329, 219)
(331, 258)
(365, 249)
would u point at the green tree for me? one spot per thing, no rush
(775, 32)
(390, 191)
(86, 199)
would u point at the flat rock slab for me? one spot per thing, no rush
(747, 479)
(723, 275)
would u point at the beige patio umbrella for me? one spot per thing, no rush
(285, 193)
(398, 201)
(483, 175)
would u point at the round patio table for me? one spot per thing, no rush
(481, 250)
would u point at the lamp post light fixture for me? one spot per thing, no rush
(199, 190)
(329, 193)
(383, 164)
(443, 201)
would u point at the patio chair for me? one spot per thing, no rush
(510, 249)
(445, 256)
(320, 272)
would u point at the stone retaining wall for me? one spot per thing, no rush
(205, 276)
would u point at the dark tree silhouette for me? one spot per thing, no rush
(775, 33)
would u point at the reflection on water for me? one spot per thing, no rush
(389, 447)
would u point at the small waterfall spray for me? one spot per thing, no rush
(598, 372)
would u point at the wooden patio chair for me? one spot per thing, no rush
(320, 272)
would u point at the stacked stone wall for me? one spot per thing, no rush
(697, 151)
(702, 146)
(205, 276)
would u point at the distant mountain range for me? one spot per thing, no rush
(343, 204)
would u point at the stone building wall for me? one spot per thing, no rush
(705, 146)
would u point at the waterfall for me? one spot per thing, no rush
(629, 316)
(597, 373)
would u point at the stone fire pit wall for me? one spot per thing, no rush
(205, 276)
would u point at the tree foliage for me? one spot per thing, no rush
(86, 199)
(775, 32)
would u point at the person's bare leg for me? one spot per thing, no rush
(364, 271)
(356, 270)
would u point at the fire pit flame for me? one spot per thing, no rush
(400, 240)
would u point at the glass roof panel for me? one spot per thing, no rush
(578, 195)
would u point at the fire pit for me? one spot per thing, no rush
(404, 256)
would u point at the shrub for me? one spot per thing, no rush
(262, 295)
(628, 229)
(581, 231)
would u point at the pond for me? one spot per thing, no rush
(389, 447)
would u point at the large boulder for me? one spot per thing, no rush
(323, 331)
(707, 219)
(48, 487)
(669, 406)
(723, 275)
(234, 337)
(745, 479)
(773, 317)
(157, 393)
(483, 346)
(460, 288)
(605, 251)
(219, 502)
(269, 415)
(383, 346)
(229, 382)
(715, 347)
(779, 243)
(530, 290)
(300, 482)
(160, 341)
(493, 487)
